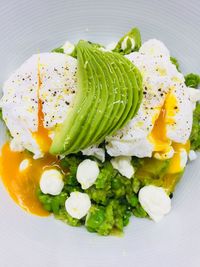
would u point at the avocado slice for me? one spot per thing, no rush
(133, 96)
(124, 72)
(118, 104)
(98, 120)
(67, 131)
(102, 71)
(125, 68)
(98, 70)
(103, 79)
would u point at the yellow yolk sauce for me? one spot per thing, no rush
(158, 137)
(175, 162)
(170, 180)
(175, 170)
(171, 108)
(158, 134)
(42, 134)
(22, 185)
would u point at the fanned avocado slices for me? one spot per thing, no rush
(109, 94)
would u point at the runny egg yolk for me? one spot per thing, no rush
(42, 134)
(158, 136)
(23, 185)
(175, 165)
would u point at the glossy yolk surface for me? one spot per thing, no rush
(174, 173)
(22, 185)
(175, 162)
(42, 135)
(170, 180)
(158, 135)
(171, 108)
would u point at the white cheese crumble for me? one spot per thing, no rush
(51, 182)
(78, 205)
(87, 173)
(95, 151)
(155, 201)
(192, 155)
(123, 165)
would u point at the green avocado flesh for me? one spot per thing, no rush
(109, 94)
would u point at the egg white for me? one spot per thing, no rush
(20, 97)
(161, 82)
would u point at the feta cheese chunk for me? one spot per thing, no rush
(78, 204)
(192, 155)
(87, 173)
(123, 165)
(51, 182)
(154, 201)
(95, 151)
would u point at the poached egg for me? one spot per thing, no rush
(36, 98)
(165, 114)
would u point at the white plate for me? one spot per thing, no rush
(27, 27)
